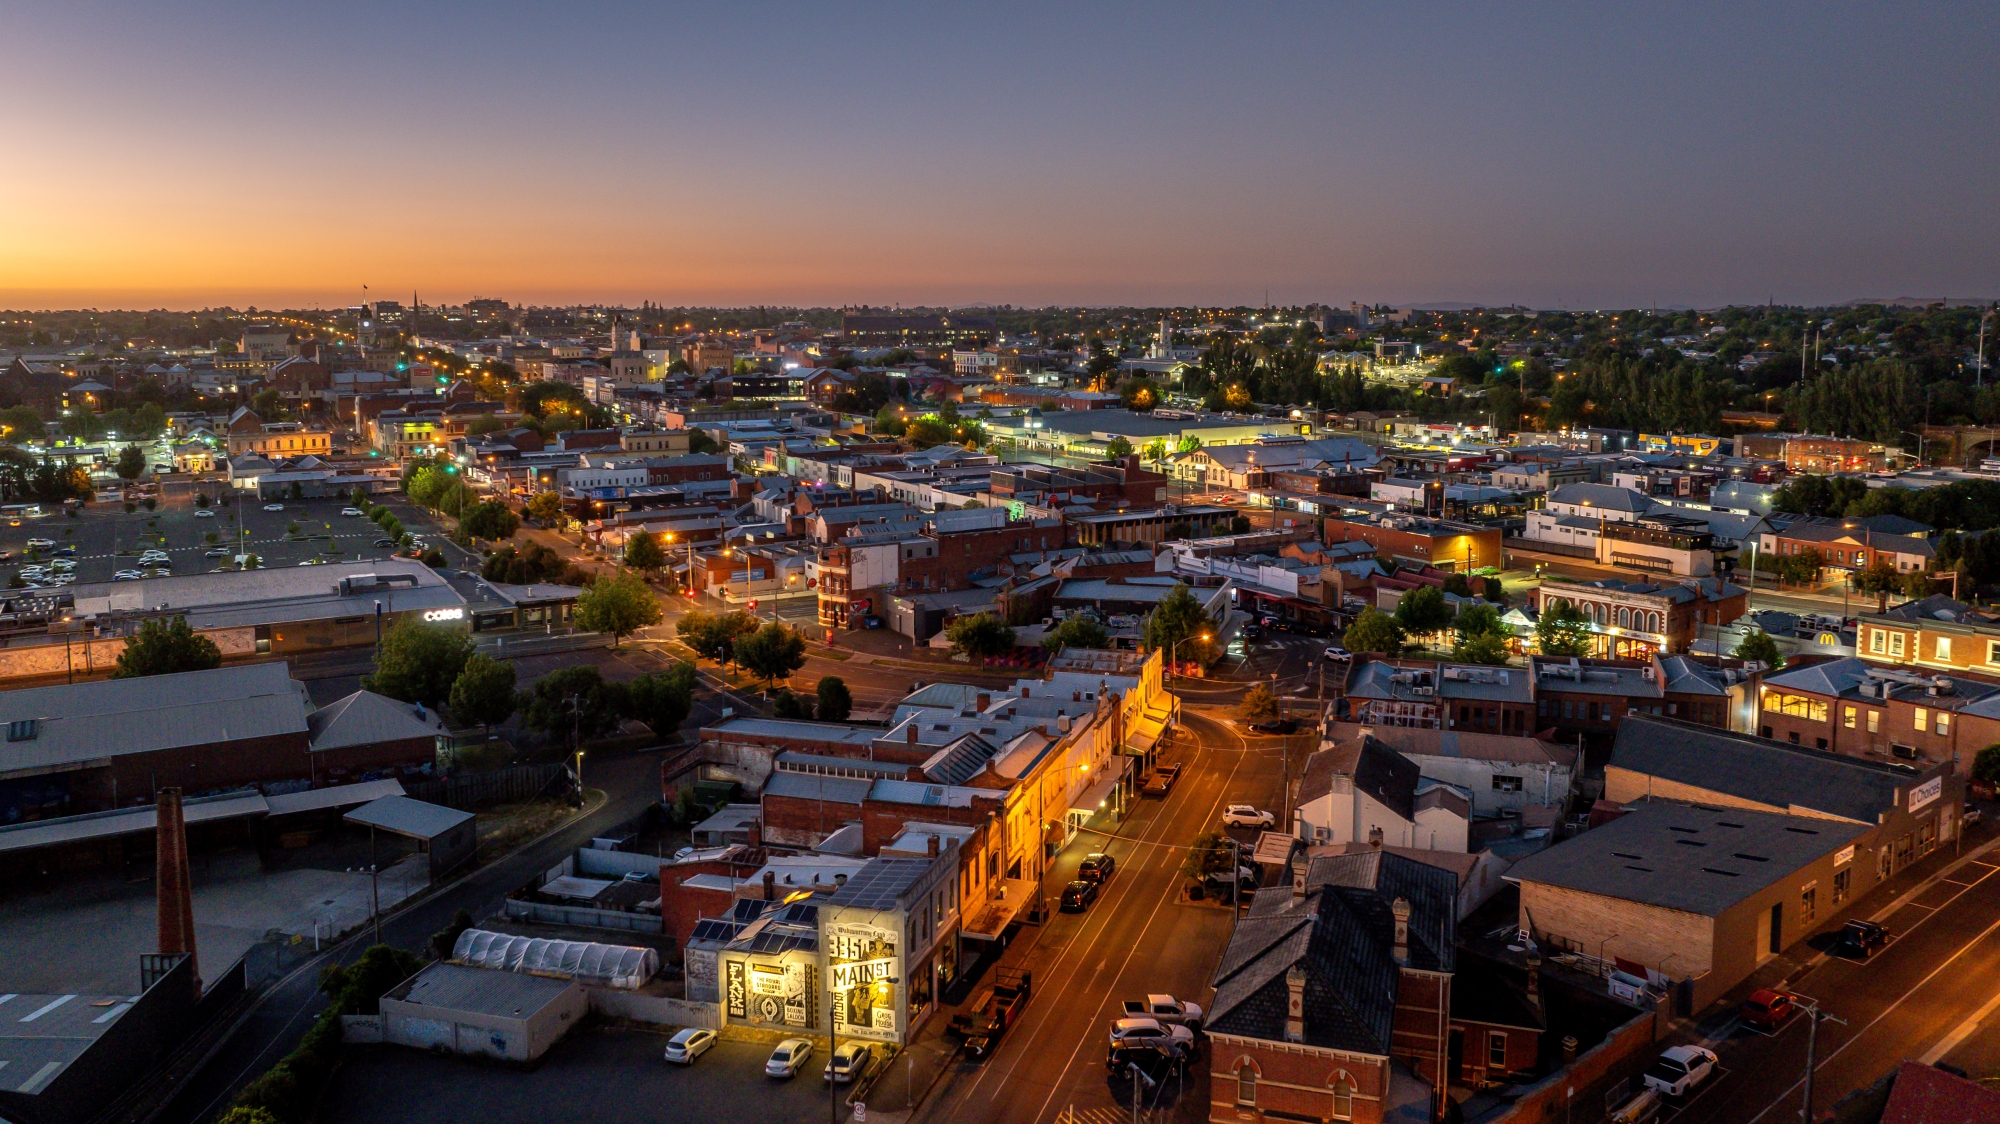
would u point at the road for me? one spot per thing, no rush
(1138, 938)
(1930, 993)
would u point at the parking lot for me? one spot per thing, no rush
(107, 539)
(604, 1075)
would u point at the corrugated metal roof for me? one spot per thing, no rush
(484, 991)
(82, 722)
(405, 816)
(807, 786)
(366, 718)
(340, 796)
(128, 821)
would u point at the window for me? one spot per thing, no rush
(1808, 902)
(1246, 1086)
(1993, 651)
(1847, 717)
(1496, 1049)
(1840, 885)
(1874, 721)
(1343, 1098)
(1896, 645)
(1922, 717)
(1943, 723)
(1506, 784)
(1876, 641)
(1800, 706)
(1944, 647)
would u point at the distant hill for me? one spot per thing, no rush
(1918, 302)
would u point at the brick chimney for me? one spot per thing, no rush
(771, 888)
(931, 845)
(910, 731)
(755, 832)
(1299, 865)
(1401, 908)
(173, 882)
(1295, 1003)
(984, 700)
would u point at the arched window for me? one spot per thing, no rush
(1343, 1097)
(1624, 618)
(1246, 1085)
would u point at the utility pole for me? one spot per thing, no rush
(1814, 1016)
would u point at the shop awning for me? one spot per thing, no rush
(1097, 797)
(991, 919)
(1147, 729)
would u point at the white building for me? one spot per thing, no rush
(1362, 791)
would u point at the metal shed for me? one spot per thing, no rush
(449, 836)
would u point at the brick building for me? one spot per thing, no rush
(1934, 632)
(1333, 999)
(1636, 618)
(1122, 480)
(1883, 713)
(1446, 544)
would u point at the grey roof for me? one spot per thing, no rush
(1345, 947)
(278, 595)
(1938, 606)
(84, 722)
(339, 796)
(808, 786)
(753, 726)
(1378, 770)
(1684, 856)
(882, 883)
(40, 1035)
(1773, 773)
(893, 791)
(1417, 741)
(366, 718)
(792, 761)
(406, 816)
(1893, 524)
(1605, 496)
(961, 760)
(485, 991)
(127, 821)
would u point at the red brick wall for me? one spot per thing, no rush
(682, 906)
(1622, 1055)
(1417, 1034)
(196, 769)
(794, 821)
(1292, 1080)
(1523, 1051)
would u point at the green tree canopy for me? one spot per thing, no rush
(1759, 646)
(642, 552)
(1563, 630)
(772, 653)
(663, 699)
(835, 701)
(546, 508)
(1986, 765)
(1117, 448)
(1077, 632)
(1178, 616)
(1423, 611)
(1481, 636)
(574, 700)
(527, 565)
(620, 605)
(483, 693)
(788, 704)
(419, 662)
(714, 636)
(1258, 704)
(490, 520)
(163, 647)
(131, 463)
(1374, 631)
(980, 636)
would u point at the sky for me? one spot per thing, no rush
(1576, 156)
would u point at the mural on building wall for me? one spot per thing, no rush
(862, 961)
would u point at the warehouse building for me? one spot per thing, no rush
(481, 1012)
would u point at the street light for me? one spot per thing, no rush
(1174, 653)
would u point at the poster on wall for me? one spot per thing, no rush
(864, 973)
(736, 993)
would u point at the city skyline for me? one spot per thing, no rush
(1039, 157)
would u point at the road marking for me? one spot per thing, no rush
(1950, 1041)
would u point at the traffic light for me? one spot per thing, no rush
(753, 605)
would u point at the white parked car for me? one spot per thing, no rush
(204, 513)
(689, 1044)
(847, 1063)
(217, 552)
(1337, 654)
(41, 544)
(1680, 1068)
(1151, 1031)
(274, 507)
(127, 576)
(351, 511)
(788, 1058)
(62, 566)
(1243, 815)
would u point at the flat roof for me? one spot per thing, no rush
(484, 991)
(40, 1035)
(405, 816)
(129, 821)
(1686, 857)
(75, 724)
(754, 726)
(339, 796)
(279, 595)
(882, 883)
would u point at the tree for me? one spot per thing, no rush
(771, 653)
(419, 662)
(165, 647)
(1482, 636)
(980, 636)
(642, 552)
(1563, 630)
(1423, 611)
(619, 605)
(131, 462)
(1117, 448)
(835, 702)
(425, 485)
(490, 520)
(1210, 854)
(714, 636)
(575, 700)
(1759, 647)
(789, 705)
(483, 693)
(1179, 615)
(530, 564)
(1258, 704)
(1986, 765)
(1077, 632)
(546, 508)
(1375, 631)
(1881, 579)
(662, 699)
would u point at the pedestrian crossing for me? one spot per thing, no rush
(1108, 1115)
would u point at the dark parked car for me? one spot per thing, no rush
(385, 542)
(1096, 867)
(1859, 939)
(1078, 895)
(1277, 726)
(1154, 1061)
(1251, 632)
(64, 552)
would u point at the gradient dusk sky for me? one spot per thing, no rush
(194, 154)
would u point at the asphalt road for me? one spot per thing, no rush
(1138, 938)
(1931, 992)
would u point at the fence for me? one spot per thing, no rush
(512, 785)
(658, 1010)
(583, 917)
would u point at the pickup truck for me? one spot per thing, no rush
(993, 1010)
(1160, 780)
(1166, 1009)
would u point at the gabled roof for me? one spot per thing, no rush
(366, 718)
(1604, 496)
(1775, 774)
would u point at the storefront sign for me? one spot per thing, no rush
(444, 614)
(735, 991)
(849, 976)
(1926, 793)
(766, 981)
(862, 961)
(1844, 856)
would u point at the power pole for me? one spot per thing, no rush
(1814, 1016)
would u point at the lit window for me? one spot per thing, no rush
(1847, 717)
(1922, 719)
(1943, 723)
(1944, 647)
(1876, 637)
(1874, 721)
